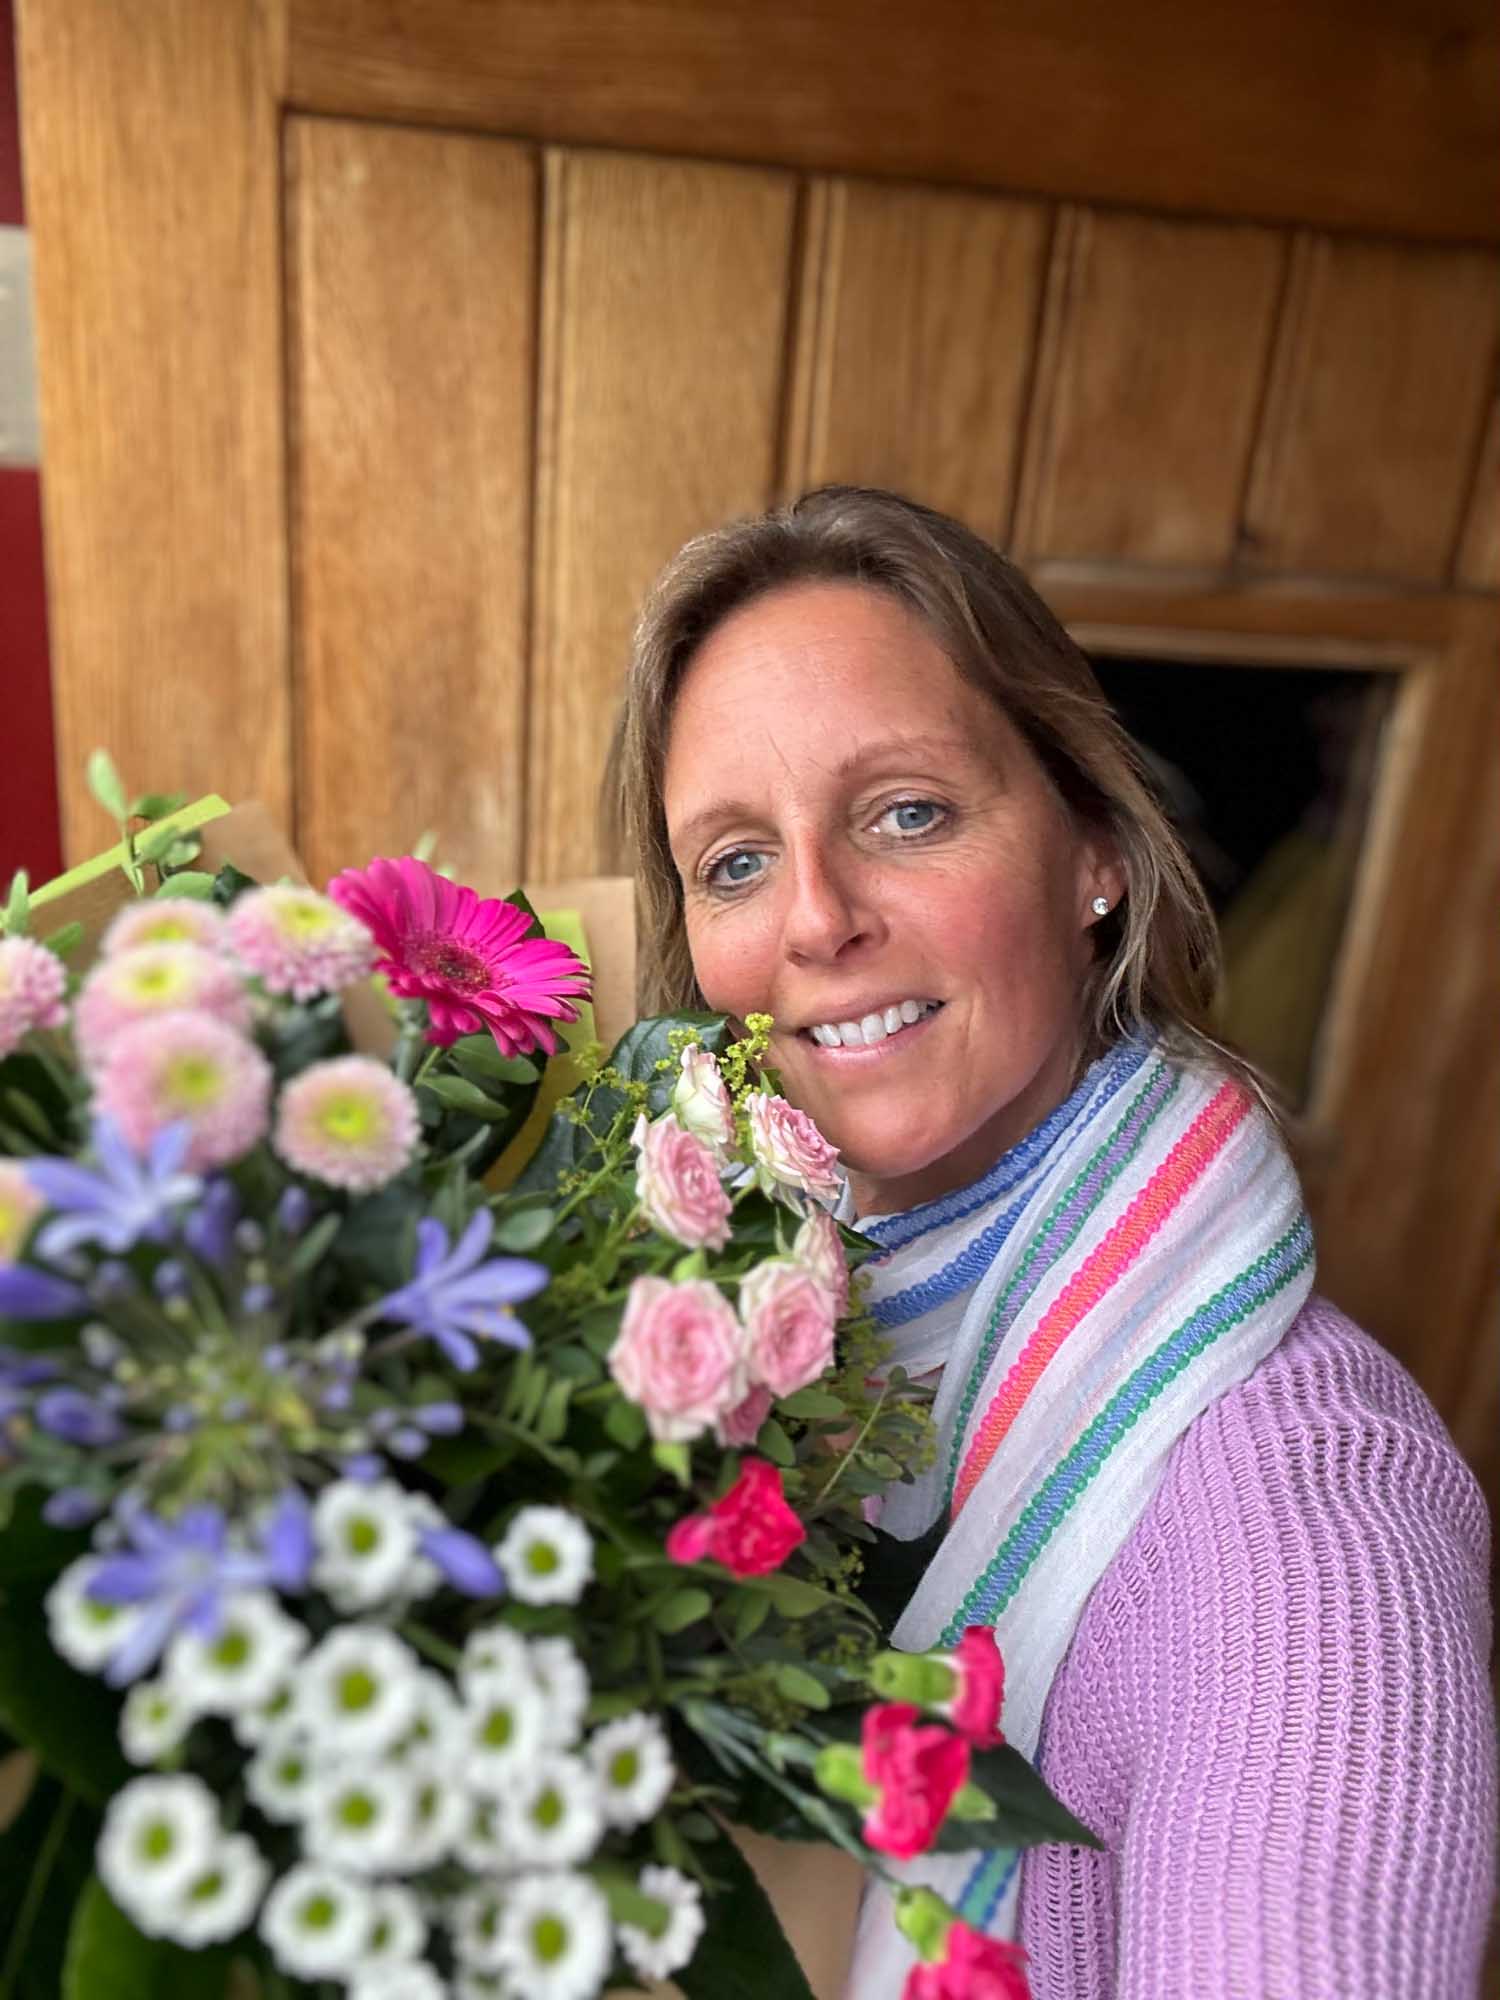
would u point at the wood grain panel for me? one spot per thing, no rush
(151, 171)
(412, 257)
(665, 290)
(1153, 364)
(1384, 366)
(1478, 566)
(1335, 114)
(918, 314)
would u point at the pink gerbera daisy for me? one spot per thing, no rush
(348, 1122)
(32, 984)
(467, 957)
(170, 1068)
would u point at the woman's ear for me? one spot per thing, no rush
(1101, 877)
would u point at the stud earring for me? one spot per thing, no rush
(1100, 906)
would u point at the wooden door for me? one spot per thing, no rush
(386, 350)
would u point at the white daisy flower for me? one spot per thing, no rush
(399, 1982)
(657, 1952)
(366, 1537)
(546, 1555)
(504, 1722)
(154, 1720)
(436, 1727)
(398, 1930)
(474, 1925)
(422, 1575)
(564, 1682)
(357, 1817)
(82, 1629)
(483, 1843)
(247, 1660)
(632, 1761)
(280, 1776)
(471, 1985)
(357, 1691)
(554, 1936)
(438, 1814)
(253, 1725)
(495, 1649)
(220, 1902)
(552, 1812)
(159, 1835)
(315, 1922)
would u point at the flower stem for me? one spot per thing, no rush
(833, 1478)
(36, 1888)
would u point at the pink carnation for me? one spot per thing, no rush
(975, 1708)
(348, 1122)
(819, 1246)
(678, 1356)
(741, 1425)
(149, 981)
(20, 1205)
(788, 1319)
(299, 942)
(701, 1102)
(973, 1967)
(164, 920)
(33, 982)
(469, 959)
(174, 1067)
(789, 1149)
(751, 1530)
(918, 1769)
(678, 1186)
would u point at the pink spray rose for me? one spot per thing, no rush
(973, 1967)
(819, 1246)
(789, 1149)
(788, 1319)
(701, 1102)
(677, 1183)
(741, 1425)
(751, 1530)
(918, 1767)
(678, 1355)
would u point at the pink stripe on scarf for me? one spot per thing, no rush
(1104, 1266)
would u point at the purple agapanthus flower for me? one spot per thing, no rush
(20, 1370)
(126, 1199)
(28, 1294)
(456, 1298)
(180, 1572)
(78, 1418)
(464, 1561)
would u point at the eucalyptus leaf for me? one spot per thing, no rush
(812, 1402)
(774, 1444)
(520, 1230)
(625, 1423)
(189, 882)
(104, 783)
(459, 1094)
(798, 1685)
(681, 1609)
(156, 844)
(157, 805)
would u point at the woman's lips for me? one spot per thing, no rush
(862, 1055)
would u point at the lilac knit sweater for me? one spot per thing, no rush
(1276, 1712)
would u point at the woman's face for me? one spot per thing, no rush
(862, 837)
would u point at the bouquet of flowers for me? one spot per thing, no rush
(407, 1586)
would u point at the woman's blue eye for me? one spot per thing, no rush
(730, 870)
(913, 815)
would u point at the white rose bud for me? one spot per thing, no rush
(701, 1102)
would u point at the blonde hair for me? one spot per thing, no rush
(1156, 954)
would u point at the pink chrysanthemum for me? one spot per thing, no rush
(464, 956)
(32, 984)
(348, 1122)
(20, 1205)
(299, 942)
(172, 1067)
(151, 980)
(164, 920)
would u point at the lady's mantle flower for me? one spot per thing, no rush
(164, 920)
(679, 1355)
(192, 1068)
(469, 959)
(751, 1530)
(33, 982)
(456, 1299)
(553, 1937)
(790, 1152)
(546, 1556)
(130, 1194)
(299, 942)
(159, 1835)
(20, 1205)
(150, 980)
(677, 1184)
(661, 1949)
(632, 1761)
(348, 1123)
(316, 1920)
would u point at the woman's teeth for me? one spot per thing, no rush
(873, 1027)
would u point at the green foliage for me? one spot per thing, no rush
(109, 1959)
(744, 1953)
(13, 918)
(104, 783)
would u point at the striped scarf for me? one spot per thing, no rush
(1104, 1283)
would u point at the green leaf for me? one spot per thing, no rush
(797, 1684)
(681, 1609)
(46, 1855)
(65, 940)
(675, 1460)
(460, 1095)
(477, 1055)
(625, 1423)
(794, 1598)
(744, 1953)
(17, 904)
(774, 1443)
(314, 1246)
(520, 1230)
(229, 883)
(813, 1402)
(189, 882)
(552, 1418)
(1028, 1812)
(104, 783)
(750, 1613)
(69, 1720)
(108, 1959)
(156, 844)
(157, 805)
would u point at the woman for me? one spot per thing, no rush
(1237, 1571)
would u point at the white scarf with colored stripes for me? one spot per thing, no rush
(1104, 1283)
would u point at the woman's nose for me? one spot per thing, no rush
(828, 910)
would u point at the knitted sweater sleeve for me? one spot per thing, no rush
(1276, 1710)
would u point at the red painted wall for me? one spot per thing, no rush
(28, 778)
